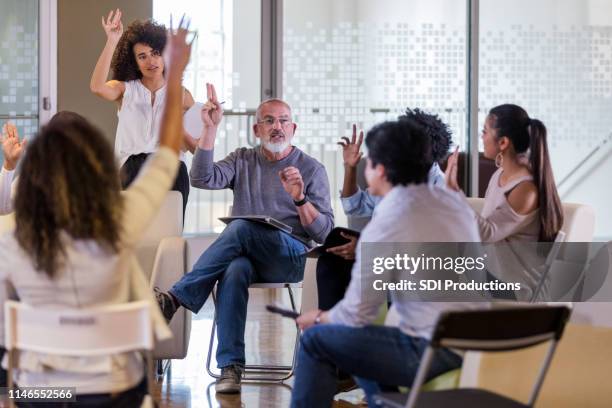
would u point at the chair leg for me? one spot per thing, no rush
(212, 339)
(258, 372)
(161, 368)
(275, 373)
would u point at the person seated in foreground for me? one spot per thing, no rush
(274, 179)
(334, 267)
(398, 165)
(72, 247)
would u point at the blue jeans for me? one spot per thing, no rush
(375, 355)
(246, 252)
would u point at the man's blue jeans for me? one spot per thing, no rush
(375, 355)
(245, 252)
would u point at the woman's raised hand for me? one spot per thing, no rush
(113, 27)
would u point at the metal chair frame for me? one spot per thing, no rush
(261, 372)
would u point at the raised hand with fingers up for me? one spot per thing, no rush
(351, 153)
(178, 50)
(212, 111)
(450, 174)
(113, 27)
(12, 148)
(176, 56)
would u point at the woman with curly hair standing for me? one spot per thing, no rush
(138, 87)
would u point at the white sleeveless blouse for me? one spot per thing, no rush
(139, 121)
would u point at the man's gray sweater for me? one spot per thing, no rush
(258, 190)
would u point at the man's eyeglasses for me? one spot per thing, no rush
(269, 122)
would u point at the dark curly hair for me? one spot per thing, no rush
(404, 148)
(439, 132)
(69, 184)
(124, 65)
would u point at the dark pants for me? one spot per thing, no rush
(131, 168)
(374, 355)
(333, 277)
(127, 399)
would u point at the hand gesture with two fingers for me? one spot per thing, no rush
(12, 147)
(113, 27)
(212, 111)
(351, 153)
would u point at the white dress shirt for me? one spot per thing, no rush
(414, 213)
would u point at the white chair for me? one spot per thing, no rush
(578, 223)
(161, 254)
(104, 331)
(7, 223)
(578, 227)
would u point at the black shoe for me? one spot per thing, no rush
(229, 382)
(346, 384)
(166, 304)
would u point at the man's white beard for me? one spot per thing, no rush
(275, 147)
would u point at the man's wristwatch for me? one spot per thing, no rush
(301, 202)
(317, 319)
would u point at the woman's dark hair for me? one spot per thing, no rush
(123, 64)
(439, 133)
(529, 136)
(404, 148)
(68, 184)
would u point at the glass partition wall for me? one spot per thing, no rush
(19, 65)
(358, 61)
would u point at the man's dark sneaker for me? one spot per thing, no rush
(166, 304)
(346, 384)
(229, 382)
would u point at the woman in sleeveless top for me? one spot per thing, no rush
(138, 86)
(521, 202)
(75, 235)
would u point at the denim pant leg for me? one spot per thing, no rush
(273, 256)
(193, 289)
(233, 295)
(381, 354)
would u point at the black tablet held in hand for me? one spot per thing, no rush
(333, 239)
(283, 312)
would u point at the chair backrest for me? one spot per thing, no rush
(7, 223)
(169, 219)
(578, 220)
(496, 329)
(167, 223)
(100, 331)
(500, 329)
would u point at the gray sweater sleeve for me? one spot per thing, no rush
(207, 174)
(318, 194)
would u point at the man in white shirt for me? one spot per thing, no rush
(399, 160)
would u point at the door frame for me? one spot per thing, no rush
(47, 60)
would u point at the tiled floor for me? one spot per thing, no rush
(269, 338)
